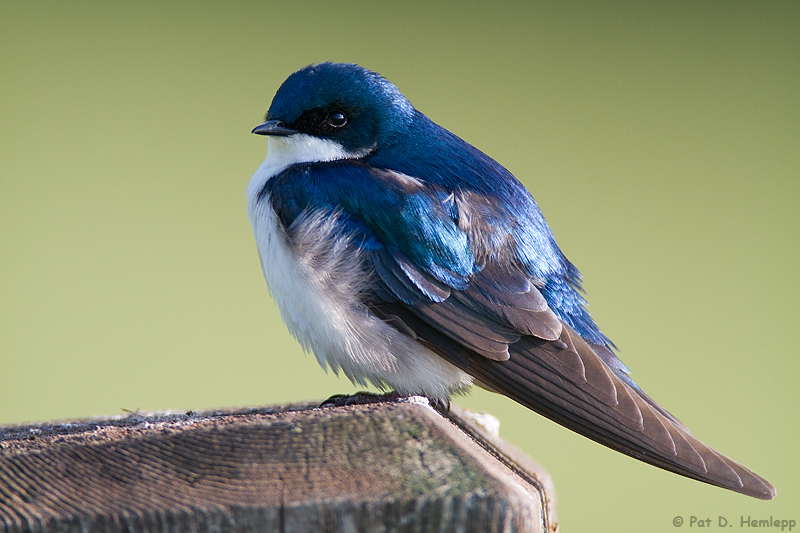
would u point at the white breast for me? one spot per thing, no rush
(316, 278)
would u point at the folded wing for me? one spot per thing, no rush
(483, 310)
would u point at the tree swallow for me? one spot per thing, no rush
(403, 256)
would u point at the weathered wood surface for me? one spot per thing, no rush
(384, 467)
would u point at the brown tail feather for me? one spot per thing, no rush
(567, 381)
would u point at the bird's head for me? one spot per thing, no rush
(340, 105)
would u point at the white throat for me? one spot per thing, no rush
(283, 152)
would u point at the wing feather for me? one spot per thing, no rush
(509, 314)
(629, 423)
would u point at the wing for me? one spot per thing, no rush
(448, 268)
(568, 381)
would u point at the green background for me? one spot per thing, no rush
(662, 141)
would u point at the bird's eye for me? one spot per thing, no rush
(337, 119)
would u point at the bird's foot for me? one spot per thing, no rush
(359, 398)
(440, 406)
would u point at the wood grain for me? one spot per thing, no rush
(396, 466)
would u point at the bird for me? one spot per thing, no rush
(403, 256)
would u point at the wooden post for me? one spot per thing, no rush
(395, 466)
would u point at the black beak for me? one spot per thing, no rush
(273, 127)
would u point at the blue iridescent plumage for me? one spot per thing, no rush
(421, 221)
(403, 256)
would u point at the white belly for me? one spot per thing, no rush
(316, 281)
